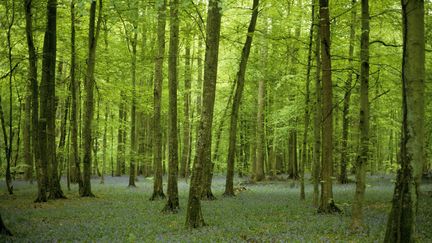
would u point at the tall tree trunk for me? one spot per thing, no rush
(402, 218)
(89, 100)
(362, 158)
(133, 150)
(157, 102)
(317, 115)
(194, 217)
(259, 173)
(32, 75)
(307, 108)
(120, 138)
(229, 187)
(172, 204)
(343, 178)
(326, 203)
(187, 103)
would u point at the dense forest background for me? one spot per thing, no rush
(310, 91)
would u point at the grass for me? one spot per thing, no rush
(269, 212)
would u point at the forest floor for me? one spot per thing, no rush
(269, 211)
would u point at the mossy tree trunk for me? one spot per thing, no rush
(402, 218)
(362, 159)
(172, 204)
(326, 202)
(157, 104)
(194, 217)
(316, 156)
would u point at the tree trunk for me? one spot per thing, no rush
(173, 201)
(187, 100)
(133, 150)
(317, 116)
(326, 204)
(259, 174)
(3, 229)
(194, 217)
(362, 159)
(402, 218)
(343, 178)
(89, 100)
(157, 103)
(307, 108)
(229, 187)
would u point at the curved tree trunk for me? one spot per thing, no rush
(229, 187)
(157, 100)
(194, 217)
(3, 229)
(402, 218)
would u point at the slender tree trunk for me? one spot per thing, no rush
(317, 116)
(326, 203)
(187, 117)
(157, 102)
(76, 172)
(194, 217)
(362, 159)
(133, 150)
(229, 187)
(402, 218)
(120, 138)
(343, 178)
(307, 108)
(89, 101)
(259, 174)
(172, 204)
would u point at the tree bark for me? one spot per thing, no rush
(307, 108)
(133, 150)
(402, 218)
(157, 103)
(343, 177)
(172, 204)
(362, 159)
(229, 187)
(318, 114)
(194, 217)
(89, 100)
(187, 103)
(326, 203)
(259, 174)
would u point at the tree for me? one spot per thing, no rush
(157, 100)
(89, 100)
(48, 99)
(357, 214)
(3, 229)
(229, 188)
(317, 115)
(326, 203)
(186, 151)
(194, 217)
(343, 178)
(173, 200)
(307, 108)
(402, 218)
(76, 173)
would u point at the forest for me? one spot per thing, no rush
(215, 121)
